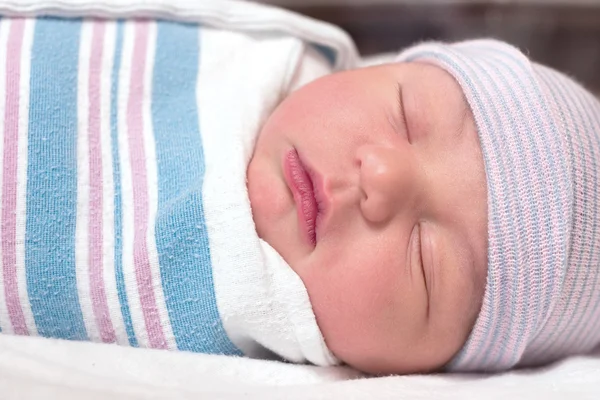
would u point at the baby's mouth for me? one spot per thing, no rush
(301, 185)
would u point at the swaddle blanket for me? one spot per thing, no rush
(125, 217)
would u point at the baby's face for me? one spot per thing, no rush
(371, 185)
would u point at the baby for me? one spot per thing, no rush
(442, 210)
(434, 213)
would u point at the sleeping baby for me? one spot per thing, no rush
(186, 187)
(446, 209)
(441, 211)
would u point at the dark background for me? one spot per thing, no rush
(563, 34)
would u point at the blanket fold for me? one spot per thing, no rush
(125, 216)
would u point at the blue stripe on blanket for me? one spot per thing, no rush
(181, 235)
(114, 102)
(326, 51)
(52, 171)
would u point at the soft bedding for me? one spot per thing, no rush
(34, 368)
(45, 368)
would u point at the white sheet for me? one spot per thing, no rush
(36, 368)
(52, 369)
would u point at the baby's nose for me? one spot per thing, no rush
(386, 179)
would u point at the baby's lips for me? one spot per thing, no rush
(301, 186)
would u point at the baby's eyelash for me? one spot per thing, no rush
(421, 263)
(401, 108)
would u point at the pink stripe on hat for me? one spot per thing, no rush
(540, 139)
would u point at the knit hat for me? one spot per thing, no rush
(540, 137)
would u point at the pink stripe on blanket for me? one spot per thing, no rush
(97, 289)
(9, 182)
(135, 125)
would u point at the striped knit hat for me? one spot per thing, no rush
(540, 136)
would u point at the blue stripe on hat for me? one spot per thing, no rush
(587, 263)
(552, 340)
(181, 235)
(499, 61)
(52, 180)
(595, 120)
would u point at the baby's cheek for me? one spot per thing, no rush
(353, 299)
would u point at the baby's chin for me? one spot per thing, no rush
(388, 353)
(384, 360)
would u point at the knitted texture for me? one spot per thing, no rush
(103, 234)
(125, 216)
(540, 137)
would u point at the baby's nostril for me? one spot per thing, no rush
(358, 162)
(363, 195)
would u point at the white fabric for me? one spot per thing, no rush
(37, 368)
(263, 304)
(227, 14)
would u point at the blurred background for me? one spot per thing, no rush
(562, 33)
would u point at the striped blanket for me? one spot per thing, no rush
(124, 212)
